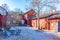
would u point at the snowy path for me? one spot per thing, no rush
(29, 34)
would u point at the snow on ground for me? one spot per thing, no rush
(54, 33)
(27, 33)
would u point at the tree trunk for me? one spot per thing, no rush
(38, 24)
(38, 18)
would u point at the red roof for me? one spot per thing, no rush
(30, 14)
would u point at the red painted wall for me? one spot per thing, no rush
(0, 21)
(29, 22)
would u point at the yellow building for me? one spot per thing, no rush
(16, 17)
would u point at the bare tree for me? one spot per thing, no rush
(5, 6)
(39, 4)
(17, 10)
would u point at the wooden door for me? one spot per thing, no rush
(59, 26)
(56, 26)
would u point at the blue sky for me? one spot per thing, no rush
(15, 4)
(19, 4)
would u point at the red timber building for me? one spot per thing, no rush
(28, 17)
(2, 16)
(49, 21)
(0, 20)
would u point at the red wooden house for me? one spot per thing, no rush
(48, 21)
(54, 22)
(43, 21)
(29, 15)
(2, 16)
(0, 20)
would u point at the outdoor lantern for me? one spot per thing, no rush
(53, 10)
(52, 24)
